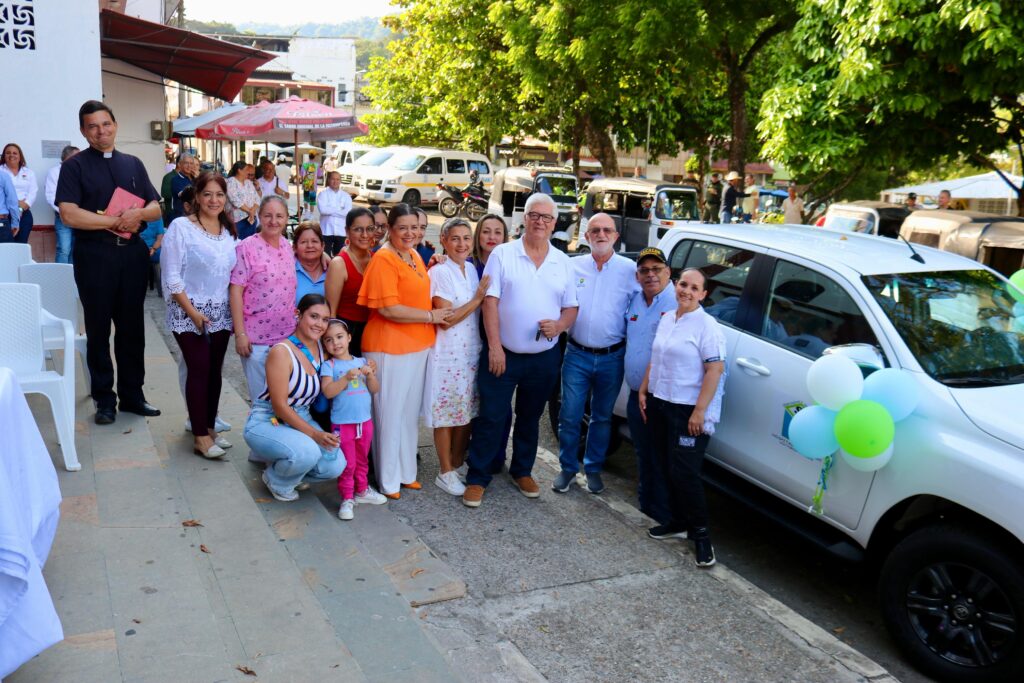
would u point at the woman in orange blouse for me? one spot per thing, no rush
(398, 336)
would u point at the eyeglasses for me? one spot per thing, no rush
(542, 217)
(600, 231)
(653, 270)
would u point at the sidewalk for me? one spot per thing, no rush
(564, 588)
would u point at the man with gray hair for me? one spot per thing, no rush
(530, 301)
(184, 175)
(65, 236)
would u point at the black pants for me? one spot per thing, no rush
(112, 285)
(26, 227)
(681, 457)
(333, 244)
(204, 361)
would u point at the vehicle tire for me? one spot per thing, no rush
(475, 212)
(953, 599)
(412, 198)
(582, 250)
(448, 207)
(561, 245)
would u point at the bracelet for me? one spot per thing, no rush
(430, 316)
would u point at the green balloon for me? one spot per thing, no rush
(864, 429)
(1017, 291)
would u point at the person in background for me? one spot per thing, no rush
(680, 400)
(243, 200)
(398, 337)
(333, 204)
(423, 248)
(262, 292)
(63, 233)
(307, 177)
(450, 398)
(792, 207)
(284, 172)
(944, 199)
(186, 172)
(491, 231)
(269, 183)
(345, 275)
(348, 382)
(751, 196)
(280, 430)
(25, 186)
(531, 299)
(731, 198)
(10, 212)
(111, 269)
(911, 203)
(195, 267)
(592, 368)
(646, 307)
(153, 236)
(310, 272)
(380, 222)
(713, 199)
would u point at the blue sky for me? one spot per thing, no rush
(273, 11)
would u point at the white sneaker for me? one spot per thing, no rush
(284, 497)
(462, 471)
(449, 483)
(370, 497)
(346, 512)
(222, 442)
(219, 425)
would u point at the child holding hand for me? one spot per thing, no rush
(348, 382)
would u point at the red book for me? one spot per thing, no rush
(121, 201)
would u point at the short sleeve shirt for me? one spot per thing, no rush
(268, 300)
(352, 405)
(527, 294)
(89, 179)
(390, 281)
(681, 348)
(603, 296)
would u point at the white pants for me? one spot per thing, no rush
(396, 412)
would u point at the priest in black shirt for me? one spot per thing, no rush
(111, 270)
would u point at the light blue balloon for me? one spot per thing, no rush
(812, 432)
(894, 389)
(1018, 310)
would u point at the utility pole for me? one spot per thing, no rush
(182, 95)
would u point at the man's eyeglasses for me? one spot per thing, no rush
(542, 217)
(653, 270)
(600, 231)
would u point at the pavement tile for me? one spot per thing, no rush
(82, 658)
(146, 497)
(78, 586)
(329, 665)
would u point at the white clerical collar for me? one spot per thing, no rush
(108, 155)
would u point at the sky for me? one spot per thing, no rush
(273, 11)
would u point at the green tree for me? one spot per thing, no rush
(897, 84)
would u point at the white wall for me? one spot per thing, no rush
(325, 60)
(137, 98)
(52, 80)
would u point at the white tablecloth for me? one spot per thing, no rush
(29, 510)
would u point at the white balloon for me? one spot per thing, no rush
(833, 381)
(867, 464)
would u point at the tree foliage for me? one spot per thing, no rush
(878, 84)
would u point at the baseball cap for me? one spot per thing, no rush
(653, 252)
(912, 195)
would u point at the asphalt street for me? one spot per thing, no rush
(840, 598)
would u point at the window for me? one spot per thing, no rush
(809, 312)
(608, 202)
(456, 165)
(726, 269)
(431, 166)
(480, 167)
(676, 205)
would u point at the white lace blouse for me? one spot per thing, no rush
(197, 263)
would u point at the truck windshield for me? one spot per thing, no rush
(375, 158)
(563, 189)
(409, 162)
(676, 205)
(850, 221)
(963, 326)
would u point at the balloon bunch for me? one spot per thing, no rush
(854, 416)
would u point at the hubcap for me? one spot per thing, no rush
(961, 614)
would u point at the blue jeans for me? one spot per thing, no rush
(726, 216)
(652, 484)
(598, 377)
(255, 368)
(292, 456)
(245, 228)
(531, 377)
(65, 240)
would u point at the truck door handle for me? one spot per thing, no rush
(754, 366)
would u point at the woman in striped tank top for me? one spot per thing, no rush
(280, 431)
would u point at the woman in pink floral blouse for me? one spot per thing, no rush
(262, 292)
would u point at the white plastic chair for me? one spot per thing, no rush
(59, 297)
(21, 349)
(12, 255)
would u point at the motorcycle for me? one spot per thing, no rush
(474, 201)
(449, 200)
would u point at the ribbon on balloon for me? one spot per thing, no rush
(854, 417)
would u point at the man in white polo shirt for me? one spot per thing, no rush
(593, 367)
(333, 203)
(531, 300)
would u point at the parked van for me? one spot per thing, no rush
(643, 210)
(352, 171)
(868, 217)
(347, 152)
(992, 239)
(412, 175)
(514, 185)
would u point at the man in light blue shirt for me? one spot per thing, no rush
(655, 299)
(593, 366)
(10, 212)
